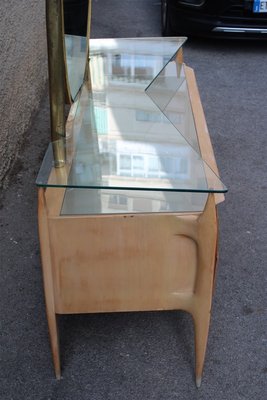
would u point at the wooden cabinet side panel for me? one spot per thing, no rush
(120, 263)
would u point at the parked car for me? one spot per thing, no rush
(239, 18)
(75, 17)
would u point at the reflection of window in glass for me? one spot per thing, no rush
(138, 166)
(101, 120)
(138, 162)
(166, 165)
(132, 68)
(152, 167)
(183, 166)
(125, 161)
(153, 164)
(125, 165)
(118, 201)
(112, 163)
(108, 163)
(121, 65)
(149, 116)
(117, 60)
(143, 66)
(174, 167)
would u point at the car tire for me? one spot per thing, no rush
(165, 19)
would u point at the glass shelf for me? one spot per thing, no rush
(133, 127)
(101, 201)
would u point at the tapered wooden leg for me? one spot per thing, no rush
(54, 341)
(207, 254)
(201, 325)
(48, 281)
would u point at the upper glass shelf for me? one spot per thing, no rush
(132, 124)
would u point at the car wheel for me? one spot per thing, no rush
(165, 19)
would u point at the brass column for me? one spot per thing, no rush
(87, 76)
(55, 45)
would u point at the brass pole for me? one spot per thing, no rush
(87, 77)
(54, 26)
(89, 19)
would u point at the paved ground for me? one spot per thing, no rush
(23, 72)
(150, 355)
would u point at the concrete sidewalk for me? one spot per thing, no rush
(23, 73)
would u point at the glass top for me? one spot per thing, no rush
(132, 124)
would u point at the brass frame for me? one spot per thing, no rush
(58, 77)
(56, 68)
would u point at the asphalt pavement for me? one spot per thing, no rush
(151, 355)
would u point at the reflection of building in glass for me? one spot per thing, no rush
(138, 159)
(131, 141)
(80, 201)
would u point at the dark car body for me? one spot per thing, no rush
(75, 17)
(238, 18)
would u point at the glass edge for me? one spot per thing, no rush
(43, 185)
(164, 66)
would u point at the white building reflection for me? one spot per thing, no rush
(129, 137)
